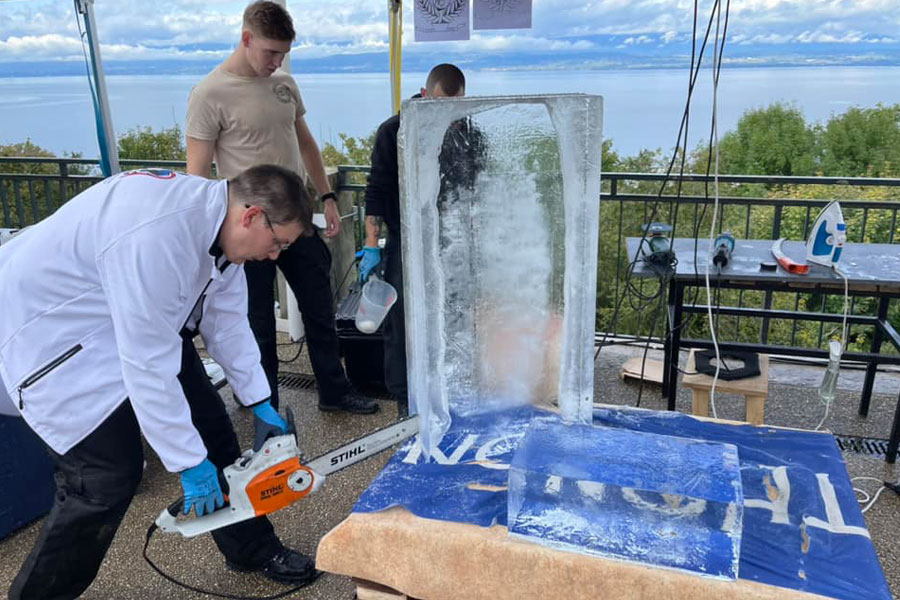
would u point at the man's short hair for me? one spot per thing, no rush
(279, 192)
(449, 76)
(269, 20)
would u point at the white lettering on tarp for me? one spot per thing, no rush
(730, 521)
(780, 488)
(553, 484)
(776, 484)
(835, 518)
(412, 457)
(592, 489)
(491, 448)
(672, 504)
(483, 456)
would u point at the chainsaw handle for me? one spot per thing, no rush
(175, 508)
(289, 419)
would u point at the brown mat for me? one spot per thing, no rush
(440, 560)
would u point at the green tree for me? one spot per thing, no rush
(27, 149)
(645, 161)
(862, 142)
(353, 151)
(25, 202)
(142, 143)
(769, 141)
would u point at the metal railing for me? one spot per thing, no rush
(32, 188)
(767, 209)
(758, 207)
(751, 206)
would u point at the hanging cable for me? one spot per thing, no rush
(696, 61)
(844, 340)
(630, 290)
(712, 229)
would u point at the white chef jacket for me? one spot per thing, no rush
(93, 298)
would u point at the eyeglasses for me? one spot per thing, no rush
(282, 245)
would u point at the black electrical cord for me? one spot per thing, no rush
(167, 577)
(686, 120)
(681, 144)
(656, 313)
(696, 62)
(687, 322)
(296, 354)
(709, 154)
(333, 299)
(629, 286)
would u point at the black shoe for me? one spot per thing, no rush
(287, 566)
(352, 403)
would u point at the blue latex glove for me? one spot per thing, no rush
(201, 488)
(369, 259)
(267, 423)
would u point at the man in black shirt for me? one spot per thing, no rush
(383, 208)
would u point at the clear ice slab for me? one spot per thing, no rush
(499, 221)
(641, 497)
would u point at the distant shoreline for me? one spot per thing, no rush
(642, 107)
(118, 68)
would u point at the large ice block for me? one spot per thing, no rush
(500, 201)
(648, 498)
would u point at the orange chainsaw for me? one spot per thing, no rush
(273, 477)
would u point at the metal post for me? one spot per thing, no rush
(395, 32)
(884, 303)
(109, 154)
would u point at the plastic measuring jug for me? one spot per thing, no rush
(375, 301)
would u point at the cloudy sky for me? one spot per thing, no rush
(347, 31)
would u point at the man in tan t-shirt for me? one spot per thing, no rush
(247, 112)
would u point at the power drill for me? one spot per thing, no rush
(724, 246)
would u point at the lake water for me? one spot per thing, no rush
(643, 108)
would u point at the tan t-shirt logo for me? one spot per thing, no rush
(283, 93)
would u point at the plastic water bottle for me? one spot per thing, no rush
(829, 381)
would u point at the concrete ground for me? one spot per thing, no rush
(792, 402)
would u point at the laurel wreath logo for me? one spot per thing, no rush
(441, 12)
(502, 6)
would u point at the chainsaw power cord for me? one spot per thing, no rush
(154, 527)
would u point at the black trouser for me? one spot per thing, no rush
(96, 480)
(306, 266)
(248, 543)
(394, 324)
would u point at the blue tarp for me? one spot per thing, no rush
(591, 489)
(803, 528)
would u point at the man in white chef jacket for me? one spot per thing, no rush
(96, 300)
